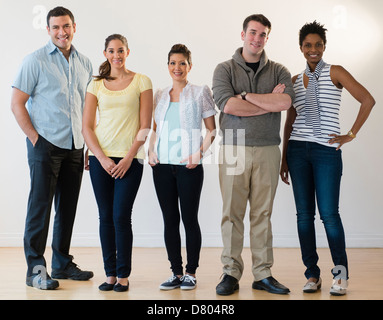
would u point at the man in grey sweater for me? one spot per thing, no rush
(250, 91)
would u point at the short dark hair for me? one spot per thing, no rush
(259, 18)
(315, 28)
(182, 49)
(59, 12)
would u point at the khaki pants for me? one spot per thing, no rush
(248, 174)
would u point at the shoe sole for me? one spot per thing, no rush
(337, 294)
(169, 288)
(64, 276)
(236, 287)
(257, 287)
(52, 287)
(120, 288)
(187, 288)
(312, 290)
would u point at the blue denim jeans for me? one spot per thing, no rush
(115, 199)
(316, 172)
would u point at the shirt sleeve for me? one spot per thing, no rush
(145, 83)
(27, 75)
(93, 87)
(285, 78)
(222, 87)
(157, 96)
(208, 105)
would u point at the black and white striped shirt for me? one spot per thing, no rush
(329, 104)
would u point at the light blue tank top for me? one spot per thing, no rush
(169, 143)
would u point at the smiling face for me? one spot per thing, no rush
(254, 40)
(313, 48)
(178, 67)
(61, 30)
(116, 53)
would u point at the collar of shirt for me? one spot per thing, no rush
(51, 48)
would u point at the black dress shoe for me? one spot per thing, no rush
(227, 286)
(270, 285)
(44, 282)
(72, 272)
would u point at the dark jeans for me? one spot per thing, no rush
(176, 183)
(55, 173)
(316, 172)
(115, 198)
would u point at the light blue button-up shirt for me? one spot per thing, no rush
(57, 89)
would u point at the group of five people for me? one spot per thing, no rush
(59, 106)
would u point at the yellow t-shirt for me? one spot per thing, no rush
(119, 115)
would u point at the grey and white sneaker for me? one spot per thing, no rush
(339, 287)
(172, 283)
(188, 282)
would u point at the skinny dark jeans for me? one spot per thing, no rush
(178, 190)
(316, 172)
(115, 199)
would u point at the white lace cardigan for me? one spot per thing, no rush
(196, 104)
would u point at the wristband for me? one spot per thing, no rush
(350, 134)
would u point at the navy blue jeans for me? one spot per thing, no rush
(316, 172)
(178, 187)
(115, 198)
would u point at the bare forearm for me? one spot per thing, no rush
(210, 133)
(364, 112)
(24, 122)
(92, 142)
(138, 142)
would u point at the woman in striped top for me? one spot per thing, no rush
(312, 155)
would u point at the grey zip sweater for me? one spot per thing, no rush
(234, 76)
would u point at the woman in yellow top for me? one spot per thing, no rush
(124, 101)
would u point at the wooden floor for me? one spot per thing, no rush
(150, 268)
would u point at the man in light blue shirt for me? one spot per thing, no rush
(47, 101)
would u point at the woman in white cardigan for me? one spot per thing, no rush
(176, 149)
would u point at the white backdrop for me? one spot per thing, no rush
(211, 29)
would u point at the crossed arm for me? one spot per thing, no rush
(259, 104)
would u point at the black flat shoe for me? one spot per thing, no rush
(270, 285)
(118, 287)
(106, 286)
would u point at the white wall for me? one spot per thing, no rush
(211, 29)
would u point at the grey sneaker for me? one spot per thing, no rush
(188, 282)
(172, 283)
